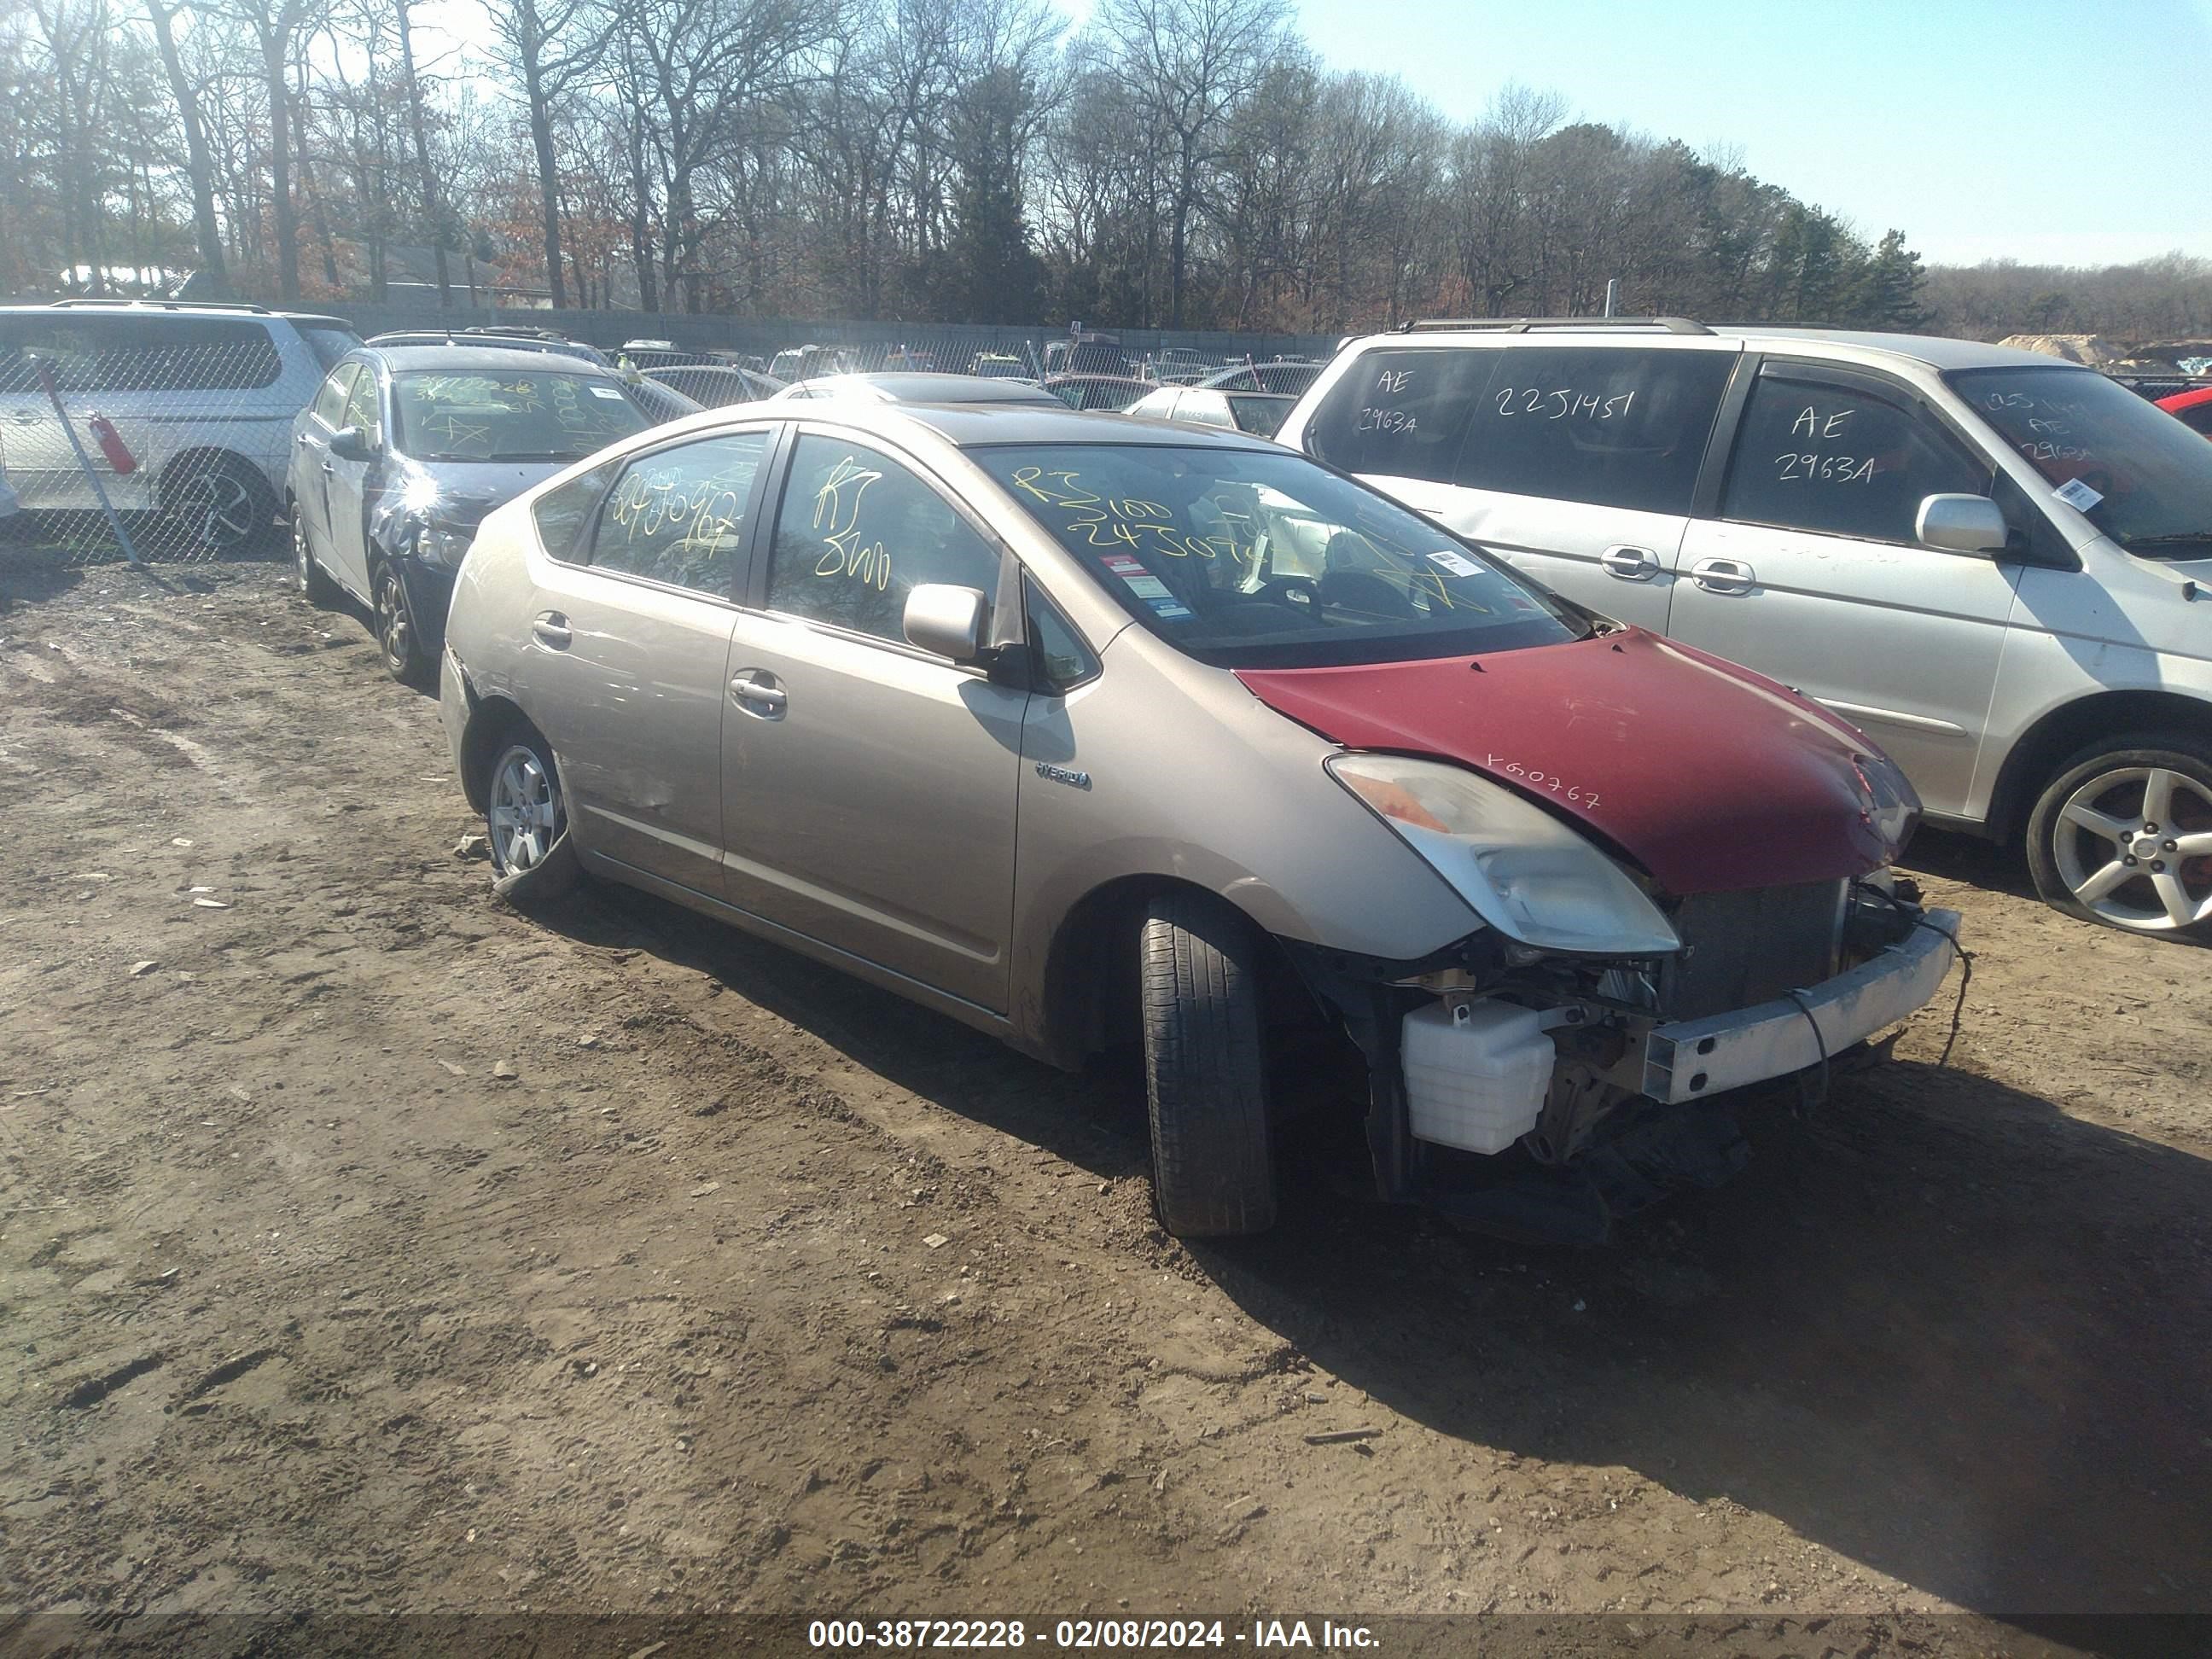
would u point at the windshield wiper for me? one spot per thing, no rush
(2182, 539)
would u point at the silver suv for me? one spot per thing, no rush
(184, 409)
(1995, 563)
(1079, 728)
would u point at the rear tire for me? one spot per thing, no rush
(2122, 836)
(526, 819)
(213, 505)
(1213, 1172)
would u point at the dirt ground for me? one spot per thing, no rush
(364, 1245)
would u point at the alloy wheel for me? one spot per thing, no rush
(219, 508)
(2135, 846)
(525, 811)
(394, 632)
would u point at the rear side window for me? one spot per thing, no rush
(327, 341)
(678, 515)
(1611, 426)
(858, 532)
(2198, 418)
(94, 352)
(1840, 461)
(562, 513)
(1402, 414)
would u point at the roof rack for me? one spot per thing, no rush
(1531, 324)
(171, 305)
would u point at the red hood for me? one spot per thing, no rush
(1711, 777)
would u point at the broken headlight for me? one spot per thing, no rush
(1524, 872)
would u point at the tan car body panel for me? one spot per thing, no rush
(1190, 779)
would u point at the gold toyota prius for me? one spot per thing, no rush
(1085, 730)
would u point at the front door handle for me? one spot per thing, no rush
(757, 693)
(1723, 575)
(329, 469)
(551, 628)
(1631, 564)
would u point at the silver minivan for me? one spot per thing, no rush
(1996, 563)
(182, 408)
(1086, 731)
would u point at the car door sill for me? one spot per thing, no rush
(915, 990)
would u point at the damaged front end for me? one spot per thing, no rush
(1543, 1093)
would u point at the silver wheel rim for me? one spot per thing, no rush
(525, 813)
(2134, 846)
(391, 627)
(299, 551)
(219, 508)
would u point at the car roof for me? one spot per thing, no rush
(506, 358)
(1934, 351)
(976, 425)
(2189, 399)
(915, 385)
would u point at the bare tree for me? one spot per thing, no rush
(276, 25)
(549, 48)
(198, 165)
(1189, 63)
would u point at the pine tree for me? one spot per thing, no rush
(1889, 293)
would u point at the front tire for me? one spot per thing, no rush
(2122, 836)
(319, 589)
(398, 640)
(1213, 1173)
(526, 819)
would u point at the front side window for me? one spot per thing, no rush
(1251, 558)
(510, 415)
(361, 409)
(1840, 461)
(331, 400)
(2141, 475)
(678, 515)
(858, 532)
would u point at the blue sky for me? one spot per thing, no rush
(2073, 133)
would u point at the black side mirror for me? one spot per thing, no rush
(350, 443)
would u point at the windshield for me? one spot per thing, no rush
(511, 417)
(1250, 560)
(2142, 478)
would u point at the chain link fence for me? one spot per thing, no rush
(158, 434)
(146, 437)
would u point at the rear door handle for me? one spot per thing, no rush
(772, 698)
(552, 629)
(1631, 564)
(1723, 575)
(327, 467)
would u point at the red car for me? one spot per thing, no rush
(2192, 409)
